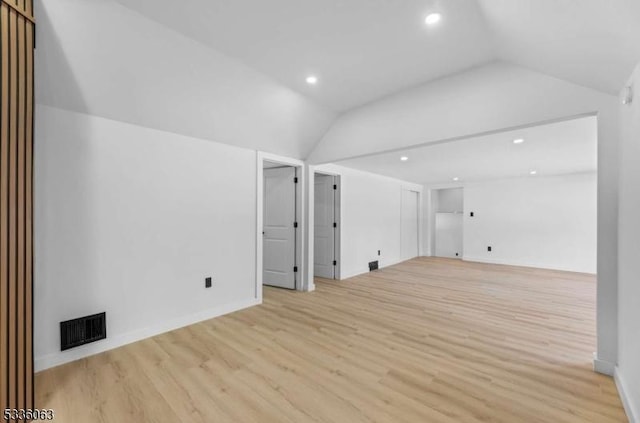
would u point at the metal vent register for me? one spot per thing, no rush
(83, 330)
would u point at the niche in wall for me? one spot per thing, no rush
(447, 218)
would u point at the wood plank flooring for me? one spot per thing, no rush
(428, 340)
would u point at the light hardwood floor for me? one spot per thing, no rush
(428, 340)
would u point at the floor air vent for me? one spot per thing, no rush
(83, 330)
(373, 265)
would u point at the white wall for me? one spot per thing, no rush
(131, 215)
(628, 371)
(490, 98)
(370, 217)
(102, 58)
(547, 222)
(130, 221)
(449, 200)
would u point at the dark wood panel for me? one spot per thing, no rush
(22, 7)
(20, 212)
(13, 188)
(4, 206)
(29, 217)
(16, 205)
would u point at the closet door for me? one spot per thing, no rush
(16, 207)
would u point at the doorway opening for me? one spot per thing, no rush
(447, 215)
(281, 225)
(326, 242)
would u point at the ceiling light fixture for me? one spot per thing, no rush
(533, 172)
(404, 158)
(456, 179)
(433, 18)
(518, 141)
(312, 80)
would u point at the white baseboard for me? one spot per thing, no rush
(523, 264)
(633, 413)
(350, 273)
(62, 357)
(603, 366)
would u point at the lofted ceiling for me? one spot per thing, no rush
(362, 50)
(552, 149)
(104, 59)
(593, 43)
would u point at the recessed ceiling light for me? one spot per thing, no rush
(404, 158)
(533, 172)
(518, 141)
(312, 80)
(433, 18)
(456, 179)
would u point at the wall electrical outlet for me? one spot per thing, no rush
(489, 248)
(378, 252)
(207, 282)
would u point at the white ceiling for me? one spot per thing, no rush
(558, 148)
(594, 43)
(359, 49)
(362, 50)
(104, 59)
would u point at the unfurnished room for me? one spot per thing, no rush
(320, 211)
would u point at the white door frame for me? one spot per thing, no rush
(301, 244)
(338, 219)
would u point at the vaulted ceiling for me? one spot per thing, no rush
(103, 59)
(362, 50)
(593, 43)
(359, 49)
(234, 71)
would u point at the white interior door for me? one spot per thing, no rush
(409, 234)
(279, 233)
(449, 235)
(324, 231)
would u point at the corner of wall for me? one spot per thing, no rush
(632, 414)
(603, 366)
